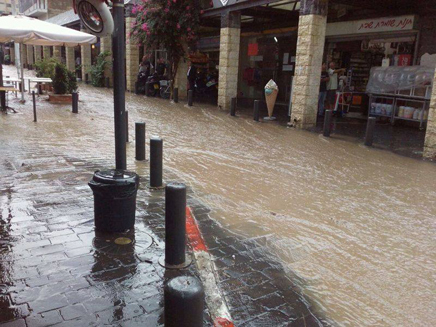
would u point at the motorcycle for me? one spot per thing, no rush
(153, 82)
(206, 86)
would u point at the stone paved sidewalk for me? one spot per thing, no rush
(55, 270)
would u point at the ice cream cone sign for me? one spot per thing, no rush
(271, 91)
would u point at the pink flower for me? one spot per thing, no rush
(144, 27)
(166, 10)
(178, 26)
(201, 12)
(189, 29)
(187, 7)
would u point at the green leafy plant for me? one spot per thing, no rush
(46, 67)
(169, 24)
(96, 71)
(64, 81)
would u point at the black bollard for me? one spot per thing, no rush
(176, 95)
(147, 86)
(369, 136)
(75, 101)
(184, 302)
(34, 107)
(327, 123)
(175, 225)
(136, 87)
(140, 141)
(233, 107)
(127, 126)
(86, 79)
(190, 98)
(156, 159)
(256, 110)
(108, 82)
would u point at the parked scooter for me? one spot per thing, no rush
(207, 86)
(153, 82)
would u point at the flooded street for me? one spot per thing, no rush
(357, 225)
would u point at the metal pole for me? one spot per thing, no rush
(140, 141)
(369, 136)
(127, 126)
(327, 123)
(176, 95)
(184, 302)
(156, 161)
(190, 97)
(75, 99)
(233, 107)
(256, 110)
(2, 93)
(119, 54)
(34, 107)
(175, 224)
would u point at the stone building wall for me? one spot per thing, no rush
(430, 136)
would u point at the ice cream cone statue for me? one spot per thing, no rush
(271, 91)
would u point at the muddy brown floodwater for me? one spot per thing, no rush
(356, 224)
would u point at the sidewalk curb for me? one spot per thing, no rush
(206, 268)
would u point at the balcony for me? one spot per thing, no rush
(33, 8)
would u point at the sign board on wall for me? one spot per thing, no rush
(376, 25)
(223, 3)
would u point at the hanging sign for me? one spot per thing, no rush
(223, 3)
(376, 25)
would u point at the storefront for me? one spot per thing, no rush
(358, 46)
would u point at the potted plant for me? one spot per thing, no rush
(97, 70)
(64, 83)
(46, 68)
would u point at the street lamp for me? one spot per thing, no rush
(114, 190)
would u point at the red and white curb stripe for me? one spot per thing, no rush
(215, 301)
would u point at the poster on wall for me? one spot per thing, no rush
(253, 49)
(404, 60)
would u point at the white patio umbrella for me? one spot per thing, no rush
(31, 31)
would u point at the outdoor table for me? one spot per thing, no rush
(39, 80)
(14, 81)
(8, 89)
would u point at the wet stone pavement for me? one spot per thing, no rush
(56, 270)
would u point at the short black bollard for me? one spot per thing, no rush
(147, 87)
(233, 107)
(140, 141)
(127, 126)
(75, 101)
(369, 136)
(190, 97)
(256, 110)
(108, 82)
(86, 79)
(136, 87)
(34, 107)
(183, 302)
(176, 95)
(327, 123)
(175, 226)
(156, 162)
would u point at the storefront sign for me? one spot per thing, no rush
(377, 25)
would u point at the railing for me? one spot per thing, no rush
(33, 7)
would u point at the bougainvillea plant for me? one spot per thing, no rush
(168, 24)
